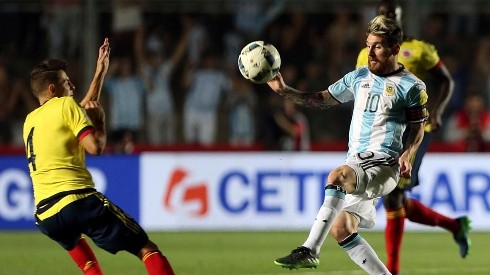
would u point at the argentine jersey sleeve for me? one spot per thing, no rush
(383, 105)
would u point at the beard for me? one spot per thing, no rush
(379, 68)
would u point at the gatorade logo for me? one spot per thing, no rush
(188, 193)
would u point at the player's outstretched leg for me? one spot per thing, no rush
(306, 256)
(460, 227)
(300, 257)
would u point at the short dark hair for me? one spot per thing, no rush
(387, 28)
(45, 73)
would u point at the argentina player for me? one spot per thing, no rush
(422, 59)
(387, 100)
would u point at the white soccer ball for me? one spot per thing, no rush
(259, 62)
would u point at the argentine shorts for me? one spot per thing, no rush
(377, 175)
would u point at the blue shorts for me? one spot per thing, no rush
(109, 227)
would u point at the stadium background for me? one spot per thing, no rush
(454, 182)
(299, 29)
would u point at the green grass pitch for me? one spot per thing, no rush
(217, 253)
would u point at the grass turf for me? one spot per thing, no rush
(217, 253)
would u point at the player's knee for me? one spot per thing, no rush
(338, 177)
(335, 177)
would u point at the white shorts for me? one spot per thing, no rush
(377, 175)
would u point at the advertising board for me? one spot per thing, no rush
(283, 191)
(244, 191)
(115, 176)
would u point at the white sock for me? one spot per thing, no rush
(332, 204)
(363, 255)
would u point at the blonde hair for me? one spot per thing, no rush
(387, 28)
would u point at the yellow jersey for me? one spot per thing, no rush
(417, 56)
(56, 159)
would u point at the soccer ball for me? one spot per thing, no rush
(259, 62)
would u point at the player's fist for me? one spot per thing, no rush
(405, 166)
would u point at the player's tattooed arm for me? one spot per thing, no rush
(319, 100)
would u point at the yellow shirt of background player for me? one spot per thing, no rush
(56, 166)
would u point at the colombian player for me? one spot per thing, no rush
(56, 135)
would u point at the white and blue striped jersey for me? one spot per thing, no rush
(383, 105)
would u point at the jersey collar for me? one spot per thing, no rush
(401, 68)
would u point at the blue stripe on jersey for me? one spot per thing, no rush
(379, 117)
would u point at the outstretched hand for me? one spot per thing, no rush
(93, 93)
(104, 52)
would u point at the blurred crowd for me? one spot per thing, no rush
(174, 80)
